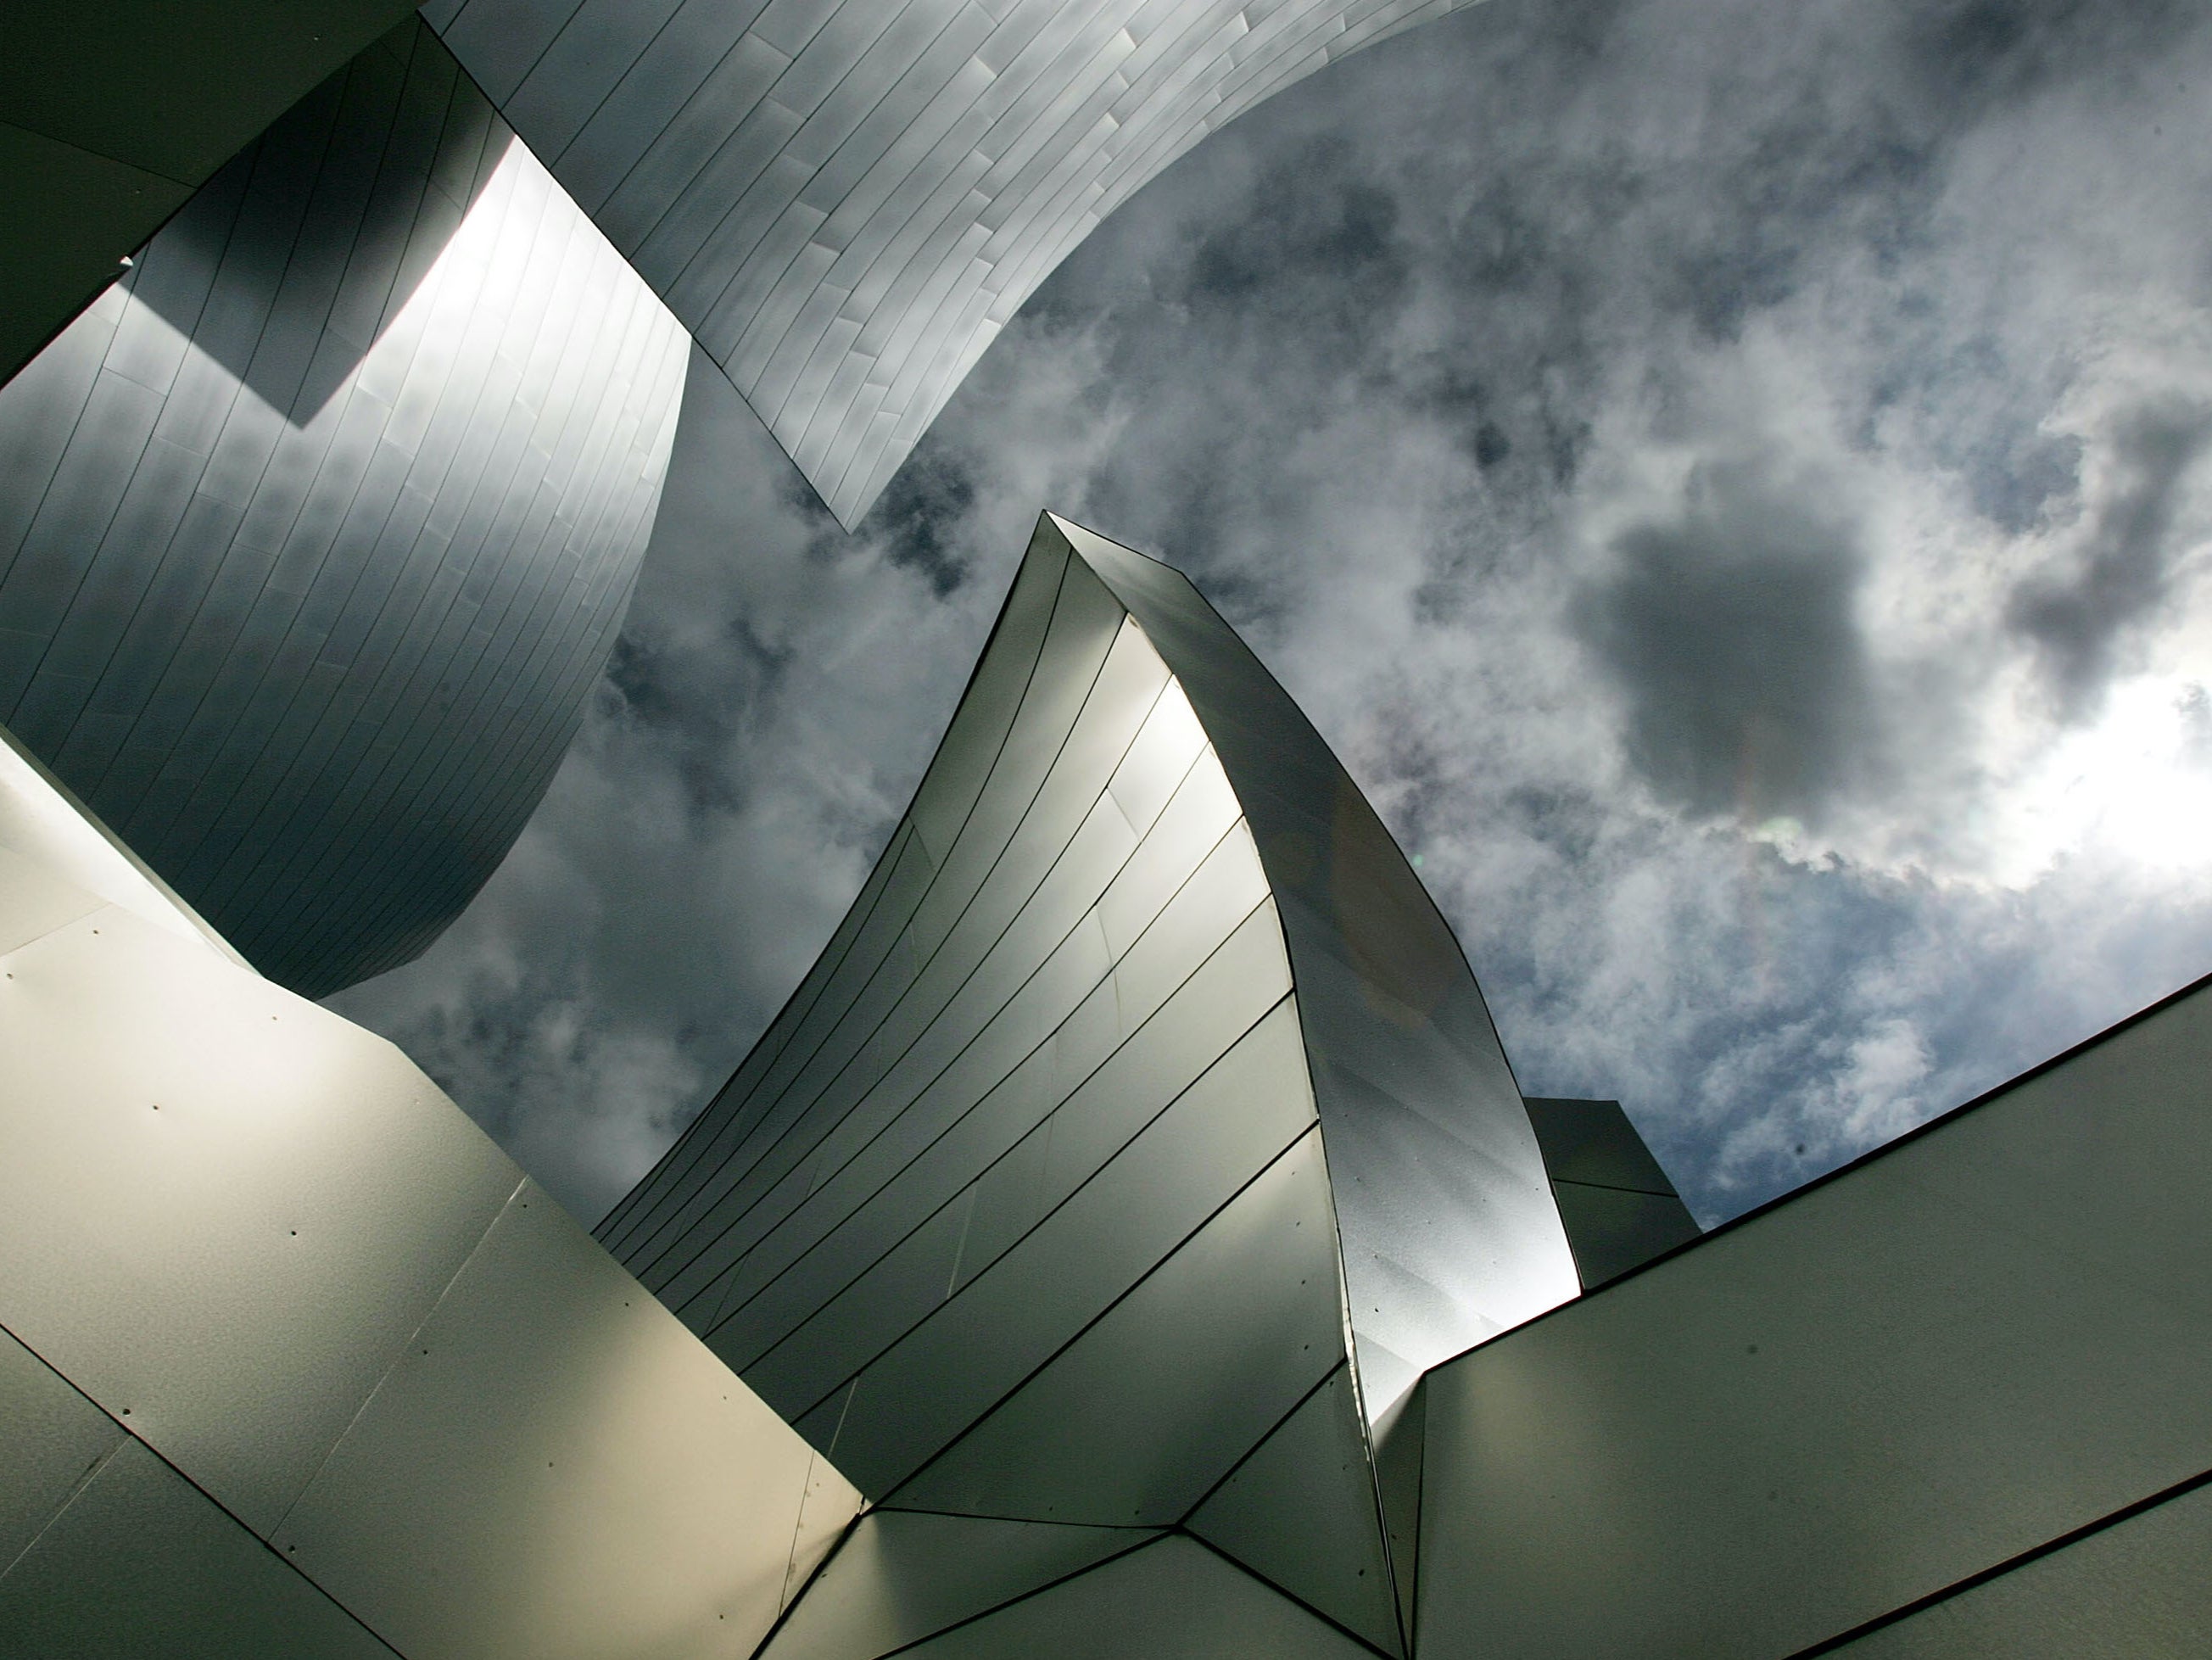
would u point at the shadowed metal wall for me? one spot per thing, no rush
(112, 115)
(295, 1363)
(1620, 1209)
(1027, 1208)
(316, 529)
(1949, 1402)
(845, 200)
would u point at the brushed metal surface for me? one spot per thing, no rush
(223, 1208)
(903, 1576)
(141, 1562)
(1172, 1599)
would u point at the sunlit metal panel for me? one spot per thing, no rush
(290, 1354)
(1862, 1400)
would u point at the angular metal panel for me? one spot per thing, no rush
(1979, 1339)
(223, 1208)
(1614, 1231)
(56, 1440)
(1139, 1416)
(1594, 1142)
(1300, 1511)
(825, 1513)
(1398, 1440)
(140, 1563)
(903, 1576)
(46, 827)
(556, 1466)
(1450, 1233)
(1174, 1600)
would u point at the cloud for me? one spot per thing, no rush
(1731, 628)
(2122, 575)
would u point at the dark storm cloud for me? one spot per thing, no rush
(1731, 631)
(2083, 620)
(920, 514)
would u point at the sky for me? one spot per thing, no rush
(1731, 479)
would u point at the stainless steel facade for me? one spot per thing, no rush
(845, 200)
(315, 530)
(1140, 1136)
(295, 1363)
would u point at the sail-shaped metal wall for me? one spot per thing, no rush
(1140, 1125)
(846, 200)
(316, 529)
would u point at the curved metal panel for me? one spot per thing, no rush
(1061, 1181)
(846, 200)
(315, 530)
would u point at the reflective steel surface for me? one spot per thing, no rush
(315, 530)
(1449, 1229)
(846, 200)
(293, 1362)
